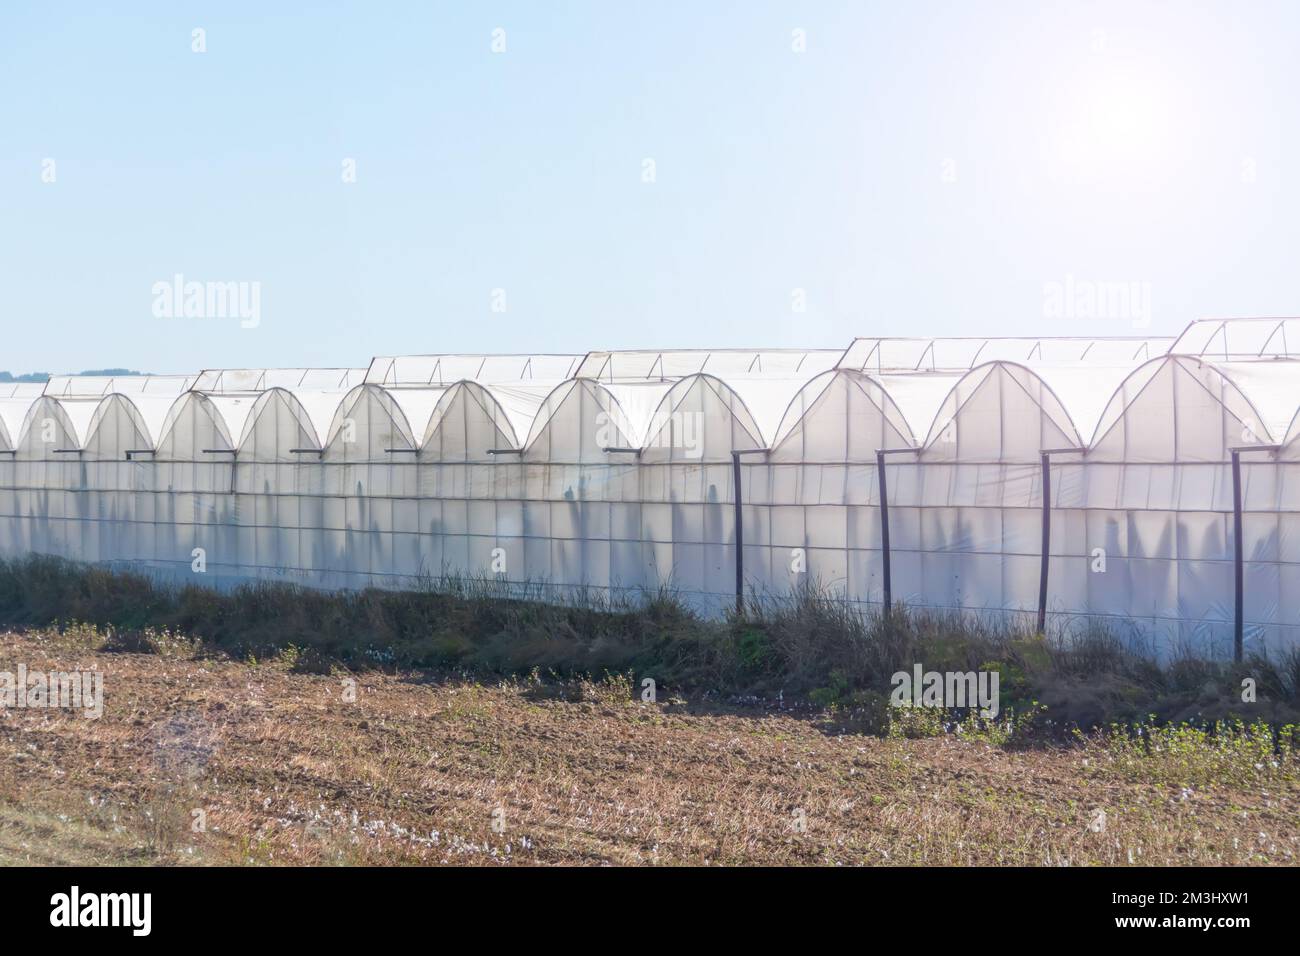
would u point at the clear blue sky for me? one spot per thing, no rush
(923, 168)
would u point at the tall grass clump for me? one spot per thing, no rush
(1221, 753)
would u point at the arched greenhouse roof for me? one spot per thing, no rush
(838, 400)
(387, 405)
(222, 439)
(594, 417)
(1185, 408)
(682, 415)
(911, 387)
(1001, 409)
(118, 426)
(457, 404)
(46, 407)
(287, 414)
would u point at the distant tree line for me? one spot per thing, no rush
(45, 376)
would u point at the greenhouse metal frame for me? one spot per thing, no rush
(1148, 485)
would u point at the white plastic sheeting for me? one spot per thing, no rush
(614, 470)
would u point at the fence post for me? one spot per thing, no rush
(882, 488)
(1045, 562)
(740, 534)
(738, 496)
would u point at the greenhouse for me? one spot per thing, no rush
(1148, 485)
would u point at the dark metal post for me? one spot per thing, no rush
(882, 488)
(1047, 542)
(1238, 577)
(740, 534)
(1046, 560)
(740, 522)
(882, 483)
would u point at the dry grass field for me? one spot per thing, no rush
(207, 760)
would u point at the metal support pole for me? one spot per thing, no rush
(738, 496)
(1047, 542)
(740, 533)
(1238, 577)
(1046, 559)
(882, 488)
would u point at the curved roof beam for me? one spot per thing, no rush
(1291, 441)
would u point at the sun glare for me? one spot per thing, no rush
(1114, 121)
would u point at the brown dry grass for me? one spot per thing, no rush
(287, 772)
